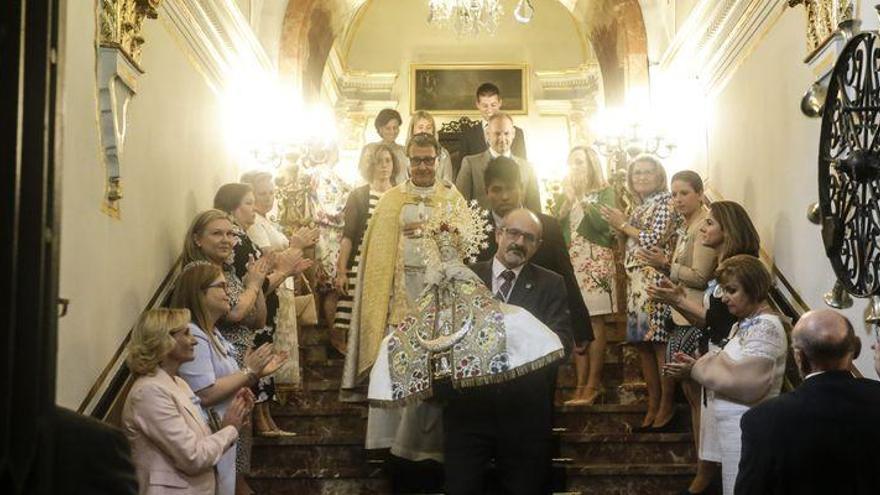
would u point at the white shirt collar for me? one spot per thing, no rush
(815, 373)
(497, 219)
(497, 269)
(496, 155)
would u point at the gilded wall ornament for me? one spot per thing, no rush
(120, 23)
(823, 18)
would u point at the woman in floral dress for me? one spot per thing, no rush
(590, 243)
(653, 223)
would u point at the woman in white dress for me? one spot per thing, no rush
(750, 366)
(268, 237)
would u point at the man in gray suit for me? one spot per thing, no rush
(499, 134)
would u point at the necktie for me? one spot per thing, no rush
(504, 290)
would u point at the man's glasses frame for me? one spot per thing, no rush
(513, 234)
(422, 160)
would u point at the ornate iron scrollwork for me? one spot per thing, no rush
(849, 166)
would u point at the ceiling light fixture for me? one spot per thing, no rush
(467, 17)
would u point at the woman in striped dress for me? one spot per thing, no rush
(380, 173)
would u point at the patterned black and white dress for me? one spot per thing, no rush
(358, 210)
(242, 337)
(657, 222)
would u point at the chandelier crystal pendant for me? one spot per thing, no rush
(466, 17)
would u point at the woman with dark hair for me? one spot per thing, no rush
(387, 125)
(590, 242)
(653, 223)
(728, 230)
(380, 176)
(238, 201)
(750, 365)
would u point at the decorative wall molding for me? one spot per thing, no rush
(579, 82)
(717, 36)
(120, 23)
(339, 82)
(120, 41)
(219, 39)
(356, 97)
(823, 19)
(117, 85)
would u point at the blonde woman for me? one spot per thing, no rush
(589, 240)
(172, 445)
(653, 224)
(422, 122)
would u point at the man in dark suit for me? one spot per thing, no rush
(512, 421)
(474, 140)
(823, 437)
(505, 193)
(469, 180)
(90, 457)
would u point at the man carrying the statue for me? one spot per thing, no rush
(491, 364)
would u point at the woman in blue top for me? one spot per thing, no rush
(214, 375)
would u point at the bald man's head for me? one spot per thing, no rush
(518, 237)
(824, 340)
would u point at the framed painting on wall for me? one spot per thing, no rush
(444, 89)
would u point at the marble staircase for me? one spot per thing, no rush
(598, 453)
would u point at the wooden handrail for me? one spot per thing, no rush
(107, 394)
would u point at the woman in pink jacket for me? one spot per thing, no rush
(173, 448)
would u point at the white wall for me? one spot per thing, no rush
(762, 152)
(174, 160)
(389, 35)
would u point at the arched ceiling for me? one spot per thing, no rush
(385, 32)
(615, 28)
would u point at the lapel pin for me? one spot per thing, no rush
(528, 285)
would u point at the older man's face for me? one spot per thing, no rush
(518, 238)
(422, 165)
(499, 135)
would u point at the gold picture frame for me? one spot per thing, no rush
(450, 89)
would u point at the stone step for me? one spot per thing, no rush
(364, 480)
(624, 448)
(630, 479)
(310, 452)
(612, 418)
(597, 479)
(347, 423)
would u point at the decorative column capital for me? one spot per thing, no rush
(121, 22)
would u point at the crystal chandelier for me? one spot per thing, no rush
(465, 17)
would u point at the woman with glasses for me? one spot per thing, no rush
(652, 225)
(750, 365)
(728, 230)
(214, 373)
